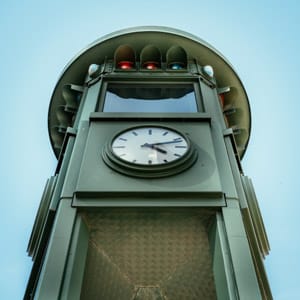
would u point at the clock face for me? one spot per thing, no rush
(149, 145)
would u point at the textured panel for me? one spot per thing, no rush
(148, 254)
(103, 279)
(149, 293)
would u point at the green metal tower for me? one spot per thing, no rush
(149, 199)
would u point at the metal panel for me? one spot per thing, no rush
(226, 288)
(72, 171)
(213, 108)
(76, 262)
(40, 219)
(256, 215)
(163, 254)
(51, 276)
(62, 173)
(97, 179)
(154, 200)
(244, 271)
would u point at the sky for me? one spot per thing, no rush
(259, 38)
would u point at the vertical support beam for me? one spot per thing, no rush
(51, 277)
(62, 173)
(244, 271)
(74, 162)
(76, 262)
(221, 260)
(90, 101)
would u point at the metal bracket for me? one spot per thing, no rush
(228, 132)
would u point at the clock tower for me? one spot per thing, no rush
(149, 199)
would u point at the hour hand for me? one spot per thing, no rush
(153, 146)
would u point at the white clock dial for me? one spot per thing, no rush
(150, 145)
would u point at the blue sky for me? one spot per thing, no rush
(259, 38)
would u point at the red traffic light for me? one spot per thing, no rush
(151, 65)
(125, 65)
(222, 99)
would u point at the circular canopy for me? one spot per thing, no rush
(75, 72)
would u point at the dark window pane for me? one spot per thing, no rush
(150, 98)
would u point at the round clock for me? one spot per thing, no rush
(149, 151)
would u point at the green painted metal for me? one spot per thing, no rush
(71, 288)
(222, 264)
(92, 203)
(52, 273)
(164, 38)
(96, 178)
(242, 263)
(73, 167)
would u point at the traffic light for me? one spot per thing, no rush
(176, 58)
(124, 58)
(150, 58)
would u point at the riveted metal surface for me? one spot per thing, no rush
(148, 254)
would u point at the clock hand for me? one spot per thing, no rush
(168, 142)
(152, 146)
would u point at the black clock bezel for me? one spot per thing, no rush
(149, 171)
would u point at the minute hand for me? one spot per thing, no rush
(168, 142)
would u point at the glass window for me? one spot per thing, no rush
(122, 97)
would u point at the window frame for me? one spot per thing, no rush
(194, 82)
